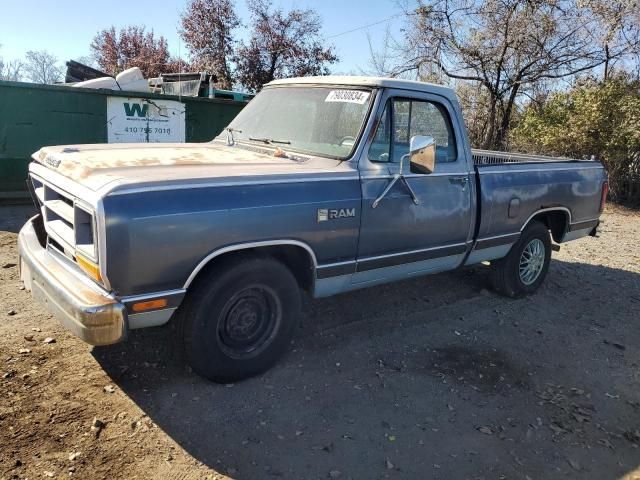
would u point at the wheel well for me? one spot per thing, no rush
(297, 259)
(555, 220)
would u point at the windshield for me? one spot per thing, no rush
(324, 121)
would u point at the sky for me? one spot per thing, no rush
(65, 28)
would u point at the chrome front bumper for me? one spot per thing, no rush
(81, 306)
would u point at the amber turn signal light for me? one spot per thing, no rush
(150, 305)
(90, 268)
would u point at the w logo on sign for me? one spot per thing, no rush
(132, 109)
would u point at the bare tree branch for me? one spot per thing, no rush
(42, 67)
(509, 46)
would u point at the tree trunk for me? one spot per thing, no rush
(225, 78)
(503, 131)
(272, 67)
(488, 141)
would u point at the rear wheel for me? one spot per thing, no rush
(240, 318)
(524, 268)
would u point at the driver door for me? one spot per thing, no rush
(398, 237)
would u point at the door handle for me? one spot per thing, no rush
(462, 181)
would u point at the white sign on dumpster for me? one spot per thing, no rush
(144, 120)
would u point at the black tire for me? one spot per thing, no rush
(239, 318)
(505, 274)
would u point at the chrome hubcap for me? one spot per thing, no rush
(532, 261)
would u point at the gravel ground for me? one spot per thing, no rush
(430, 378)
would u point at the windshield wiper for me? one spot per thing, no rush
(269, 140)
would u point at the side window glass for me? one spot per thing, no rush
(401, 126)
(433, 120)
(410, 118)
(380, 147)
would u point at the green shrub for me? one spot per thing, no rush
(599, 119)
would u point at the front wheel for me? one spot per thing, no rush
(524, 268)
(240, 318)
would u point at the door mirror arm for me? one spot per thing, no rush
(394, 179)
(414, 197)
(418, 144)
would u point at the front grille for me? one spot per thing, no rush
(69, 226)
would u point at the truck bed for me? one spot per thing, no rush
(492, 157)
(513, 187)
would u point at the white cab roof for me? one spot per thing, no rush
(369, 82)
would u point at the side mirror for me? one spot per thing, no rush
(422, 153)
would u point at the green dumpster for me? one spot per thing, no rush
(33, 116)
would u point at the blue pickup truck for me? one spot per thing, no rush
(320, 185)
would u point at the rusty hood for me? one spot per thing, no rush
(100, 165)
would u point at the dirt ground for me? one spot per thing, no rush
(430, 378)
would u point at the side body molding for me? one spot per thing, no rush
(245, 246)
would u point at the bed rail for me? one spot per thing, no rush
(490, 157)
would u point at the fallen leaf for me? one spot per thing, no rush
(606, 443)
(632, 436)
(574, 464)
(74, 456)
(279, 153)
(557, 429)
(327, 448)
(96, 426)
(617, 345)
(580, 418)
